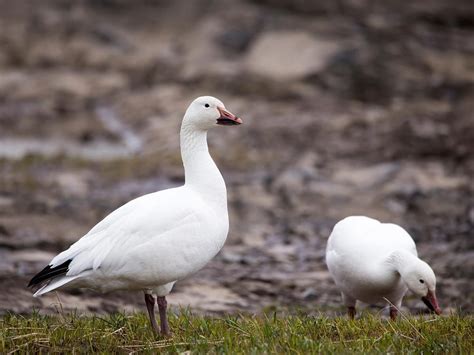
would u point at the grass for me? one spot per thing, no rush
(300, 334)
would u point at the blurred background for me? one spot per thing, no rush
(350, 107)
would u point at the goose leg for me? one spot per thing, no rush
(350, 303)
(162, 304)
(393, 313)
(150, 306)
(351, 311)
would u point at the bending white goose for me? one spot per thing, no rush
(157, 239)
(372, 261)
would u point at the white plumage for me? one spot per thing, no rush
(155, 240)
(151, 241)
(374, 262)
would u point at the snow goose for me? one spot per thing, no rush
(157, 239)
(372, 261)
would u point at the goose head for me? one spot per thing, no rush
(421, 280)
(206, 112)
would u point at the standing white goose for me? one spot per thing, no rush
(372, 262)
(157, 239)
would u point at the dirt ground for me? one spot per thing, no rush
(350, 107)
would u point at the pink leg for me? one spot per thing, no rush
(150, 306)
(351, 311)
(350, 304)
(162, 304)
(393, 313)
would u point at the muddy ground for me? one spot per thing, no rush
(350, 107)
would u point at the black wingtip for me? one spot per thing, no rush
(48, 273)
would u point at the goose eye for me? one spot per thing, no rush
(422, 281)
(206, 105)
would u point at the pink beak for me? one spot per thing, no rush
(431, 302)
(227, 118)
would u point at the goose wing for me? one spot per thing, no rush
(126, 228)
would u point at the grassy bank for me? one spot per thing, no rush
(236, 334)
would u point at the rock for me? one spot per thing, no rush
(206, 295)
(235, 40)
(289, 55)
(200, 50)
(72, 184)
(424, 178)
(299, 174)
(30, 256)
(329, 189)
(282, 253)
(366, 177)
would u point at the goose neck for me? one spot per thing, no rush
(402, 261)
(201, 173)
(193, 143)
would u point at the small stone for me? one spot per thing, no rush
(289, 55)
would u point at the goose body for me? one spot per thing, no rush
(376, 262)
(150, 241)
(157, 239)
